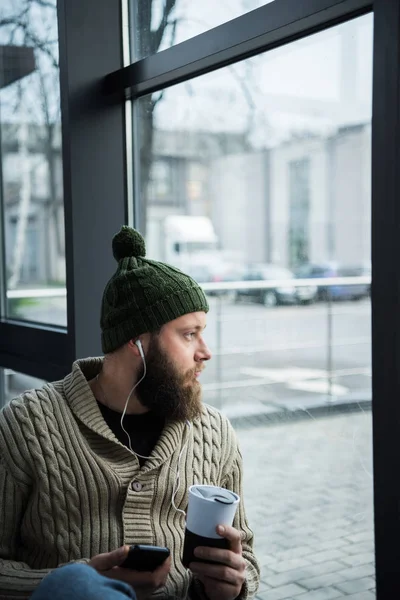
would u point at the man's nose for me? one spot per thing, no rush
(204, 352)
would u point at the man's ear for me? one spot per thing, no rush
(133, 346)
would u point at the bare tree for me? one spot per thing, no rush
(33, 23)
(156, 27)
(20, 25)
(150, 39)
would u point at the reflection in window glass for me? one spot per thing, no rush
(16, 383)
(31, 162)
(160, 182)
(299, 209)
(160, 24)
(272, 184)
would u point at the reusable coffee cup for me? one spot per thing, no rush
(208, 507)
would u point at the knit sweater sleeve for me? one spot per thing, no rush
(17, 579)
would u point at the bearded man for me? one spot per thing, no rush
(104, 458)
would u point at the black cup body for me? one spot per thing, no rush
(192, 540)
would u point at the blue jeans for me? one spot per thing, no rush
(81, 582)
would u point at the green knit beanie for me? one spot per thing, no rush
(143, 294)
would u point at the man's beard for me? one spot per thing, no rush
(165, 391)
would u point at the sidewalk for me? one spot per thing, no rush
(308, 494)
(248, 414)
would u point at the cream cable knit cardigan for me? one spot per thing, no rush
(69, 490)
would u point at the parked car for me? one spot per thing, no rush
(201, 273)
(216, 272)
(285, 293)
(355, 291)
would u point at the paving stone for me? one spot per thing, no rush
(333, 534)
(362, 596)
(294, 542)
(360, 548)
(364, 536)
(266, 572)
(313, 583)
(289, 565)
(325, 555)
(300, 533)
(304, 573)
(282, 593)
(358, 572)
(355, 560)
(275, 528)
(265, 559)
(297, 552)
(280, 539)
(330, 544)
(325, 593)
(337, 523)
(263, 587)
(356, 585)
(313, 517)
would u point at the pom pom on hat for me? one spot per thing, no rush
(128, 242)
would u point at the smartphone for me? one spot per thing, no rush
(145, 558)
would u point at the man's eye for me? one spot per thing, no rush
(189, 335)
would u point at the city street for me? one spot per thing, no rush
(308, 494)
(283, 357)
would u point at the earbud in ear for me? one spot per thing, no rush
(138, 343)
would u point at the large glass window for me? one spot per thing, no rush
(160, 24)
(31, 183)
(16, 383)
(270, 160)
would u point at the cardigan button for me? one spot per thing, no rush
(136, 486)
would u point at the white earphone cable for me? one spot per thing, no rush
(189, 425)
(177, 474)
(126, 406)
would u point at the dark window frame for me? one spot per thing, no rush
(93, 174)
(263, 29)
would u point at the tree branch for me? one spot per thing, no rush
(158, 34)
(37, 43)
(44, 3)
(155, 101)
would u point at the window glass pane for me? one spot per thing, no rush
(160, 24)
(270, 167)
(14, 383)
(31, 162)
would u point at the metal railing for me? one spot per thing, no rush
(221, 286)
(329, 282)
(50, 292)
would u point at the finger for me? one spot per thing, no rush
(108, 560)
(216, 572)
(226, 557)
(233, 536)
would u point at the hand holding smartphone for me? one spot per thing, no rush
(145, 558)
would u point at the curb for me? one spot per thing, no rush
(285, 416)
